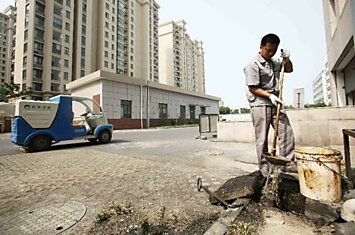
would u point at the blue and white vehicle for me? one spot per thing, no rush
(37, 125)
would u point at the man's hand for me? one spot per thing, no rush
(285, 54)
(275, 100)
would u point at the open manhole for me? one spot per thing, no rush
(50, 219)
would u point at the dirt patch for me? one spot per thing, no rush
(126, 219)
(258, 218)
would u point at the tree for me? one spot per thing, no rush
(244, 110)
(235, 111)
(11, 90)
(321, 104)
(224, 110)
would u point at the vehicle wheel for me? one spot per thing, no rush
(92, 140)
(40, 143)
(105, 136)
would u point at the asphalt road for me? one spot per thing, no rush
(163, 145)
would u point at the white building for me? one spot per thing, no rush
(7, 32)
(181, 59)
(339, 18)
(321, 87)
(140, 103)
(63, 40)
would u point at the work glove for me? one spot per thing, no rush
(285, 54)
(275, 100)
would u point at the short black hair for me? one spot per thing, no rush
(270, 38)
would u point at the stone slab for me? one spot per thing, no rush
(239, 187)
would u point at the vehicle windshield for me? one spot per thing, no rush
(85, 105)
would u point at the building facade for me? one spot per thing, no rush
(339, 18)
(140, 103)
(3, 47)
(63, 40)
(181, 59)
(321, 87)
(7, 33)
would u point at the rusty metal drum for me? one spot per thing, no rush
(319, 173)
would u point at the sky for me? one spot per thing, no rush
(231, 32)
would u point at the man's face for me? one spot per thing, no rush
(268, 51)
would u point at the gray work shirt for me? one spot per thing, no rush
(264, 74)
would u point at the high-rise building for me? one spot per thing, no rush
(7, 21)
(339, 18)
(3, 47)
(10, 11)
(62, 40)
(181, 59)
(321, 87)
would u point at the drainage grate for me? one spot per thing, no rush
(50, 219)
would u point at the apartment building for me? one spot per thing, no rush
(3, 47)
(10, 12)
(181, 59)
(60, 41)
(7, 21)
(321, 87)
(339, 18)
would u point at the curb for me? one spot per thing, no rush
(220, 226)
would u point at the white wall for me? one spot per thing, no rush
(312, 127)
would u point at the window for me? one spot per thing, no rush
(37, 74)
(83, 30)
(37, 86)
(66, 76)
(55, 62)
(68, 3)
(67, 38)
(38, 48)
(24, 60)
(66, 50)
(82, 63)
(57, 23)
(26, 35)
(106, 64)
(24, 74)
(67, 14)
(66, 63)
(82, 73)
(56, 48)
(163, 110)
(182, 111)
(83, 18)
(56, 35)
(39, 21)
(106, 54)
(37, 60)
(203, 110)
(39, 8)
(25, 47)
(84, 7)
(67, 26)
(83, 40)
(126, 109)
(38, 34)
(83, 51)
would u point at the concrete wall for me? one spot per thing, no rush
(312, 127)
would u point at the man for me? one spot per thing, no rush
(262, 80)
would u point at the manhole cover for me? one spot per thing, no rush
(50, 219)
